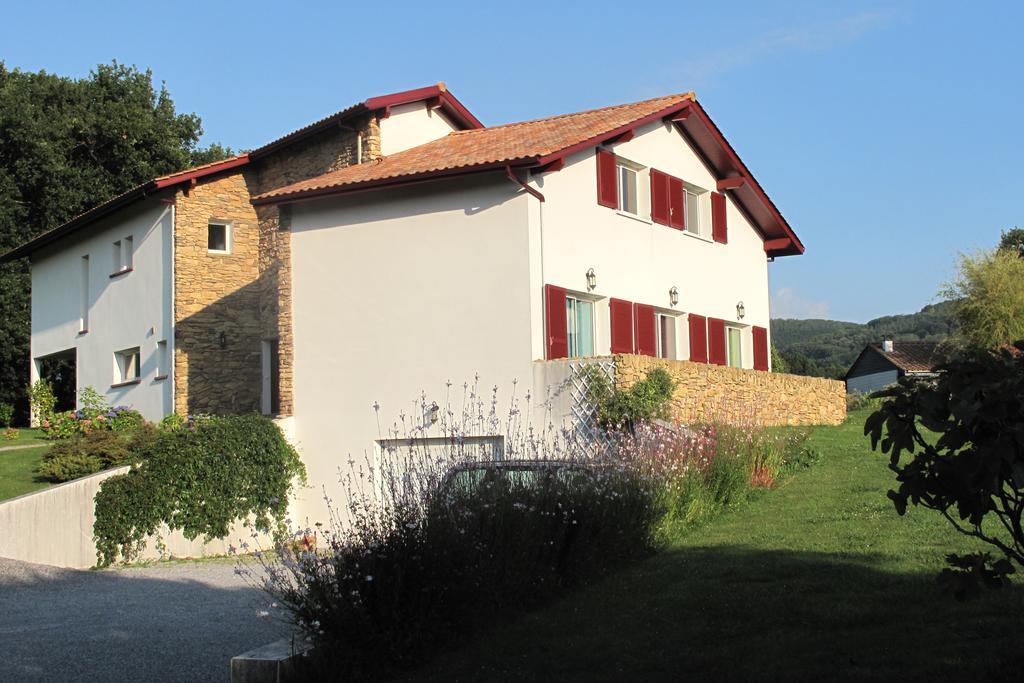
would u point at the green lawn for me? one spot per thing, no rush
(817, 579)
(25, 437)
(17, 471)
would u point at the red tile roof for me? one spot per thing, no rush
(514, 143)
(911, 356)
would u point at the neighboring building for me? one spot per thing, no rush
(399, 245)
(880, 365)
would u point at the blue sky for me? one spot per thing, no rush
(889, 133)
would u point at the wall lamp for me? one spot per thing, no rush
(222, 340)
(591, 280)
(741, 310)
(673, 295)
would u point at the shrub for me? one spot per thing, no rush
(971, 471)
(644, 401)
(6, 414)
(67, 424)
(172, 423)
(858, 400)
(42, 399)
(85, 454)
(199, 480)
(11, 433)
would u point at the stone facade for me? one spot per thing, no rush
(737, 396)
(226, 305)
(217, 366)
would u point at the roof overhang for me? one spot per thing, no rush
(434, 96)
(147, 189)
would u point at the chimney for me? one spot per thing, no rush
(887, 346)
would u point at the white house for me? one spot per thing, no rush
(398, 247)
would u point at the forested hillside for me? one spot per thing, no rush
(826, 348)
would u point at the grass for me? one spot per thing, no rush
(817, 579)
(26, 437)
(17, 472)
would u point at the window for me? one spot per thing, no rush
(270, 402)
(734, 347)
(126, 366)
(162, 362)
(666, 336)
(218, 238)
(579, 326)
(83, 305)
(121, 255)
(628, 192)
(697, 221)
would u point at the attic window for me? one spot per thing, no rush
(218, 238)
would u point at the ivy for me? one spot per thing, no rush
(200, 480)
(644, 401)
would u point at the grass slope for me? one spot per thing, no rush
(17, 471)
(818, 579)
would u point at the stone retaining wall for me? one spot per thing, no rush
(737, 396)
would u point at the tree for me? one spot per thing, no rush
(1012, 240)
(67, 145)
(973, 472)
(989, 294)
(778, 362)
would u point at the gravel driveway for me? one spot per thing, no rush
(175, 622)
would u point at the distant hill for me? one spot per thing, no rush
(827, 348)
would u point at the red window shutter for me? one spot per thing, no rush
(622, 326)
(760, 348)
(659, 197)
(698, 338)
(677, 203)
(555, 322)
(646, 335)
(716, 341)
(719, 227)
(607, 183)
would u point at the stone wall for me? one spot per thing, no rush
(217, 365)
(736, 396)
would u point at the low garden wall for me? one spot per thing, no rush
(738, 396)
(54, 527)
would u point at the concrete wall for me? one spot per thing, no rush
(739, 396)
(54, 527)
(638, 260)
(396, 294)
(125, 310)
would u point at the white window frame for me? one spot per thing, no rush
(703, 198)
(163, 363)
(641, 180)
(83, 302)
(728, 346)
(228, 237)
(673, 320)
(127, 366)
(593, 326)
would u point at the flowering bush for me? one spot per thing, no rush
(426, 552)
(76, 422)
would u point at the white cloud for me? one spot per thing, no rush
(810, 38)
(786, 303)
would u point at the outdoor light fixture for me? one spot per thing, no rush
(673, 295)
(432, 413)
(222, 339)
(591, 279)
(741, 310)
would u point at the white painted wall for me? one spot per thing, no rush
(411, 125)
(394, 294)
(131, 309)
(638, 260)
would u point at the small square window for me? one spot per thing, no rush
(628, 192)
(126, 365)
(218, 238)
(122, 255)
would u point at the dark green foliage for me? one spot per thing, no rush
(97, 449)
(827, 348)
(6, 414)
(1012, 240)
(646, 400)
(973, 473)
(66, 145)
(199, 480)
(778, 362)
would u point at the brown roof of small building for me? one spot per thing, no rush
(911, 356)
